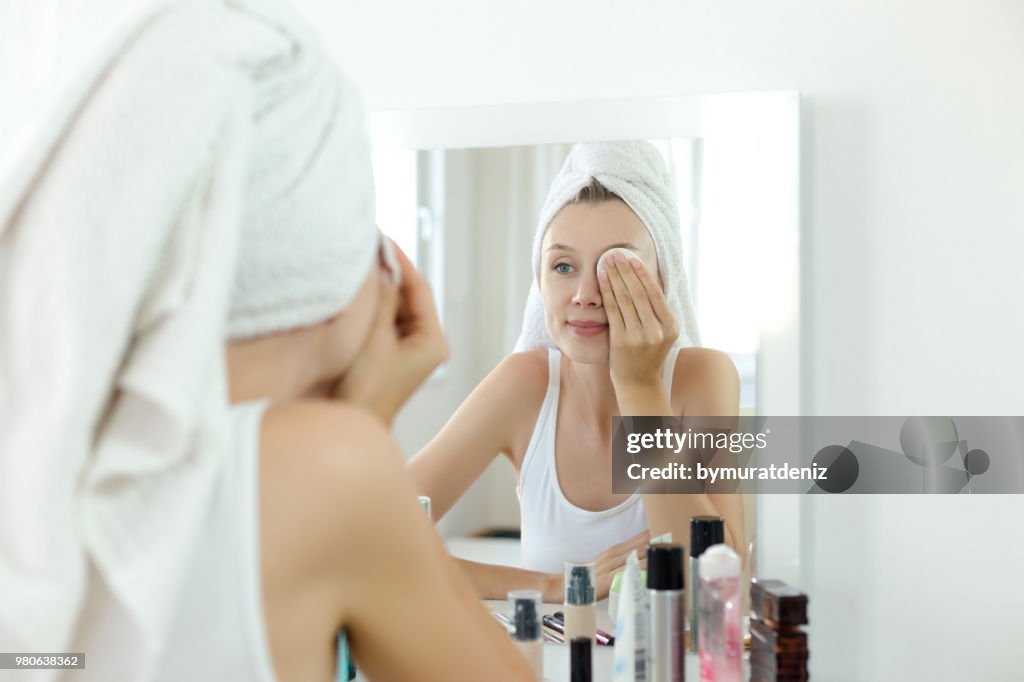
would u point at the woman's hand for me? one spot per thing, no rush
(613, 560)
(404, 346)
(641, 326)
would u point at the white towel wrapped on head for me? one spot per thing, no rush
(308, 232)
(635, 172)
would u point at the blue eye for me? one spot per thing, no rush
(562, 268)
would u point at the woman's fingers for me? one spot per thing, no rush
(639, 334)
(387, 311)
(628, 270)
(639, 301)
(417, 309)
(615, 556)
(612, 310)
(656, 298)
(418, 325)
(623, 323)
(627, 307)
(405, 344)
(613, 560)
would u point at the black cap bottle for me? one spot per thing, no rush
(665, 580)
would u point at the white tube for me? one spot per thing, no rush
(631, 626)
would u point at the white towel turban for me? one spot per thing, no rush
(636, 172)
(200, 125)
(308, 232)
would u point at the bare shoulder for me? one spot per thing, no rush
(520, 382)
(510, 398)
(526, 371)
(516, 385)
(705, 379)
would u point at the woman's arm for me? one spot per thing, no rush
(493, 581)
(496, 418)
(642, 329)
(707, 385)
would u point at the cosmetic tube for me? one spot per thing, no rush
(631, 626)
(526, 630)
(667, 597)
(580, 659)
(720, 601)
(580, 606)
(705, 531)
(425, 503)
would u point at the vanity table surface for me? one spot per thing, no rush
(556, 656)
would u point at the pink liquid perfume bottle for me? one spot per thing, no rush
(720, 623)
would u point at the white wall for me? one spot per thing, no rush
(41, 44)
(913, 177)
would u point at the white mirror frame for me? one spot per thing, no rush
(771, 120)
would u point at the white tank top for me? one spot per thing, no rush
(554, 530)
(219, 632)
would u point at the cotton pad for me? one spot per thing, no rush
(625, 252)
(389, 260)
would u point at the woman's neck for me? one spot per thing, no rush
(279, 367)
(590, 391)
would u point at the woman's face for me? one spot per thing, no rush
(576, 238)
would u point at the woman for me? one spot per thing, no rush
(593, 346)
(212, 182)
(342, 543)
(315, 528)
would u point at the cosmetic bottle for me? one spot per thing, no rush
(580, 660)
(705, 531)
(720, 601)
(778, 604)
(667, 598)
(580, 606)
(778, 644)
(526, 631)
(425, 503)
(632, 623)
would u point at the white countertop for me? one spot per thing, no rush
(556, 656)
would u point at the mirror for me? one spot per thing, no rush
(461, 188)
